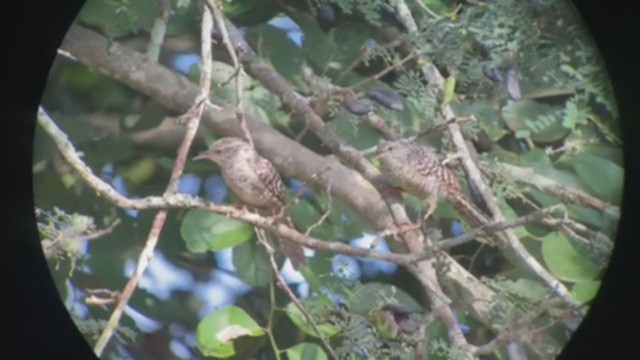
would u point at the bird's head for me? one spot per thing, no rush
(224, 149)
(395, 147)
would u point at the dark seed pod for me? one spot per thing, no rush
(511, 83)
(387, 98)
(357, 107)
(326, 13)
(491, 73)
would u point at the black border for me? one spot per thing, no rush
(40, 327)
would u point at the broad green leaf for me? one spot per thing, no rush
(449, 90)
(585, 291)
(488, 118)
(437, 6)
(304, 215)
(371, 295)
(535, 117)
(222, 81)
(306, 351)
(320, 308)
(318, 48)
(141, 170)
(119, 18)
(216, 332)
(203, 230)
(252, 264)
(564, 261)
(274, 44)
(318, 272)
(527, 288)
(602, 177)
(346, 223)
(540, 162)
(354, 132)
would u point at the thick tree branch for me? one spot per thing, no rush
(433, 76)
(177, 93)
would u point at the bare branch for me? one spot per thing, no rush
(158, 30)
(565, 193)
(294, 299)
(177, 93)
(172, 187)
(102, 232)
(239, 71)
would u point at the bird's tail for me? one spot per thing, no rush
(293, 250)
(476, 218)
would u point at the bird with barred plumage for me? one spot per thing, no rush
(256, 182)
(419, 171)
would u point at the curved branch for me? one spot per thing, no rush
(176, 93)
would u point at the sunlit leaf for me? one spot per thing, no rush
(306, 351)
(585, 291)
(601, 176)
(252, 264)
(564, 261)
(320, 308)
(203, 230)
(216, 332)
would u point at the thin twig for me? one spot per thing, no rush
(171, 201)
(287, 290)
(434, 77)
(159, 30)
(566, 193)
(383, 72)
(239, 71)
(497, 226)
(172, 187)
(102, 232)
(427, 10)
(326, 213)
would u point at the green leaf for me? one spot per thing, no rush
(488, 118)
(541, 120)
(564, 261)
(216, 332)
(306, 351)
(318, 271)
(203, 230)
(252, 264)
(436, 6)
(119, 18)
(527, 288)
(140, 171)
(303, 215)
(354, 132)
(320, 308)
(602, 177)
(371, 295)
(274, 44)
(449, 90)
(585, 291)
(540, 162)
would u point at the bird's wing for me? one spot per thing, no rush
(269, 176)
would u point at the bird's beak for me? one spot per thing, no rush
(201, 156)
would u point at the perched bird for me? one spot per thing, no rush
(256, 182)
(418, 170)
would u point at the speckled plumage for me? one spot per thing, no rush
(255, 181)
(418, 170)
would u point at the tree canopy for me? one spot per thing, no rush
(156, 256)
